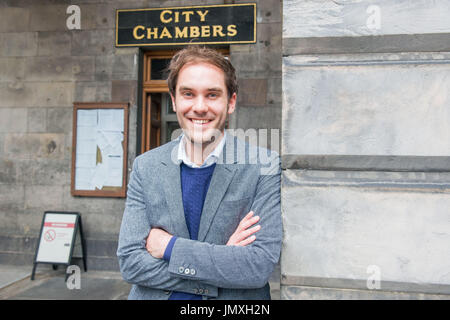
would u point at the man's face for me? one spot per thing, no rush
(201, 102)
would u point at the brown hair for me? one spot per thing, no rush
(195, 54)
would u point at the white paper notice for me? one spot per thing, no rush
(87, 118)
(85, 161)
(101, 140)
(114, 137)
(110, 119)
(117, 119)
(85, 146)
(83, 178)
(99, 177)
(115, 169)
(86, 133)
(85, 164)
(86, 153)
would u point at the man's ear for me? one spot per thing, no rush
(232, 103)
(174, 107)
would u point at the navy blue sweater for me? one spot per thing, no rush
(194, 186)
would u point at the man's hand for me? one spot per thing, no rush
(243, 235)
(157, 242)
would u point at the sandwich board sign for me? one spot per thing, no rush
(60, 237)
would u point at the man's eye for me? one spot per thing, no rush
(212, 95)
(187, 94)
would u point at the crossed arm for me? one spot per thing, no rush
(245, 261)
(158, 239)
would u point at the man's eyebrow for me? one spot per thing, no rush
(215, 89)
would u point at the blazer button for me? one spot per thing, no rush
(180, 269)
(193, 271)
(186, 271)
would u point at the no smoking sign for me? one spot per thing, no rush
(49, 235)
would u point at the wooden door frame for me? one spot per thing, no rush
(150, 86)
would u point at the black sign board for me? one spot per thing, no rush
(213, 24)
(60, 236)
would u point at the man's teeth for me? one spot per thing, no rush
(199, 121)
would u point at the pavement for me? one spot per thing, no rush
(49, 284)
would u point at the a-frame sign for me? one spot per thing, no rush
(60, 239)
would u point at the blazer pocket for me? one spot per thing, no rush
(227, 218)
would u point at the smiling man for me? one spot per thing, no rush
(198, 223)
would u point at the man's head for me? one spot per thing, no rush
(203, 87)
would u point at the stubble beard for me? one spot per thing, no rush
(200, 143)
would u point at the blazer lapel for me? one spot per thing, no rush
(172, 190)
(221, 179)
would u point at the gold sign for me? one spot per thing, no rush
(233, 23)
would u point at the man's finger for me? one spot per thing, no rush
(248, 223)
(247, 241)
(242, 222)
(247, 217)
(246, 233)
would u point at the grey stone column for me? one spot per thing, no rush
(366, 150)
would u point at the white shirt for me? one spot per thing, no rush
(212, 158)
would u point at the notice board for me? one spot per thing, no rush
(99, 149)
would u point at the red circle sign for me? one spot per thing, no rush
(50, 235)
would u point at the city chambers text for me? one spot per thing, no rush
(180, 32)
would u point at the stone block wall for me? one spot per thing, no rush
(366, 150)
(45, 68)
(259, 72)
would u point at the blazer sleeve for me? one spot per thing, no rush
(136, 264)
(236, 266)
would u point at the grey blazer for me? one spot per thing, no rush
(245, 178)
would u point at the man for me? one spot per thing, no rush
(189, 229)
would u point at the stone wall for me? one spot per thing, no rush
(45, 68)
(366, 150)
(259, 71)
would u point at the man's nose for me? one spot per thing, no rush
(200, 105)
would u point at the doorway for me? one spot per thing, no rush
(158, 118)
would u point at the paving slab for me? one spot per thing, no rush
(51, 285)
(90, 289)
(11, 274)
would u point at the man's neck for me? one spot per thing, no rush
(198, 152)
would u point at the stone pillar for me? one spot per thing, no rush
(366, 150)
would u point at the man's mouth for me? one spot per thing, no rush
(200, 121)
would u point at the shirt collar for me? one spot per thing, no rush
(212, 158)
